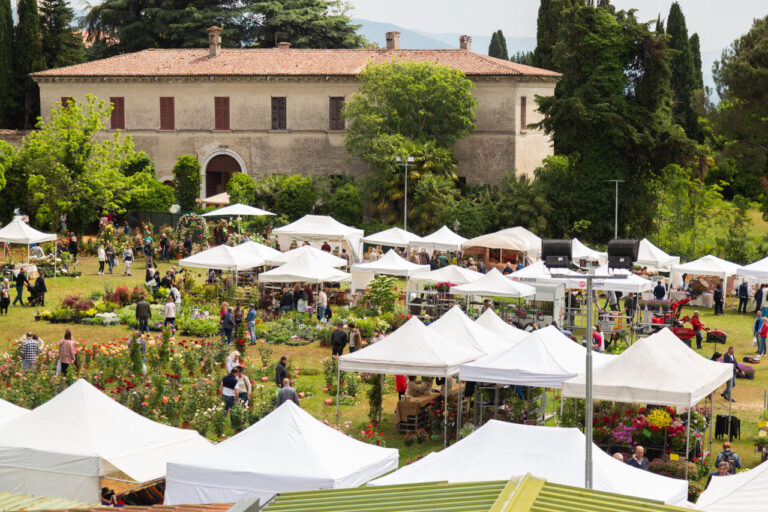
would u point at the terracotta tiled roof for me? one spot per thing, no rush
(214, 507)
(283, 62)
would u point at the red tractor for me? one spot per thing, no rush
(677, 324)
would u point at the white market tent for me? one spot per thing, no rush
(707, 266)
(308, 268)
(394, 237)
(223, 257)
(545, 358)
(448, 274)
(457, 327)
(288, 450)
(238, 210)
(516, 239)
(631, 283)
(494, 284)
(744, 491)
(19, 232)
(391, 264)
(9, 411)
(500, 450)
(325, 257)
(491, 321)
(648, 255)
(758, 269)
(538, 273)
(321, 228)
(659, 370)
(441, 240)
(65, 446)
(580, 252)
(269, 255)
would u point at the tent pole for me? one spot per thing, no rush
(458, 412)
(475, 419)
(445, 413)
(338, 387)
(711, 418)
(562, 402)
(495, 400)
(381, 392)
(730, 404)
(27, 254)
(687, 442)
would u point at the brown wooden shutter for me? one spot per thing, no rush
(167, 113)
(523, 112)
(117, 119)
(335, 107)
(279, 121)
(221, 108)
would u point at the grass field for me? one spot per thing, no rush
(749, 394)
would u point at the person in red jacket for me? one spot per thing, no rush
(697, 326)
(401, 384)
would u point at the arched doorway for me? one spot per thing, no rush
(218, 172)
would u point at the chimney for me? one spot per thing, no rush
(393, 40)
(214, 41)
(283, 45)
(465, 43)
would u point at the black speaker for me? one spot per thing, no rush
(556, 253)
(622, 253)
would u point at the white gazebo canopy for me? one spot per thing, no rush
(537, 272)
(631, 283)
(441, 240)
(321, 228)
(659, 369)
(515, 239)
(237, 210)
(9, 411)
(223, 257)
(448, 274)
(288, 450)
(758, 269)
(458, 328)
(648, 255)
(269, 255)
(580, 252)
(545, 358)
(325, 258)
(491, 321)
(65, 446)
(391, 264)
(500, 450)
(707, 266)
(742, 492)
(413, 349)
(394, 237)
(219, 199)
(494, 284)
(308, 268)
(19, 232)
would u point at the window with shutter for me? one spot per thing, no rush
(65, 100)
(523, 112)
(167, 113)
(117, 119)
(279, 121)
(221, 113)
(336, 120)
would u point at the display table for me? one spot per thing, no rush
(410, 413)
(705, 300)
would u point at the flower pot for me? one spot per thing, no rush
(265, 379)
(329, 401)
(302, 394)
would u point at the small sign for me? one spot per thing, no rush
(762, 433)
(646, 432)
(674, 456)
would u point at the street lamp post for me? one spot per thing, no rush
(616, 209)
(405, 163)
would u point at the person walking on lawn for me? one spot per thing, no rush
(730, 358)
(127, 259)
(743, 296)
(281, 371)
(101, 254)
(21, 280)
(41, 289)
(251, 319)
(66, 352)
(169, 313)
(339, 340)
(111, 257)
(287, 393)
(143, 314)
(697, 327)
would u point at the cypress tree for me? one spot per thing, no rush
(494, 49)
(62, 45)
(659, 25)
(28, 58)
(547, 27)
(6, 63)
(503, 45)
(682, 71)
(697, 79)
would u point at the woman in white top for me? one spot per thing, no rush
(169, 313)
(102, 254)
(233, 359)
(243, 388)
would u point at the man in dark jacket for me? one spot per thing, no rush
(719, 298)
(165, 247)
(286, 301)
(40, 288)
(730, 358)
(281, 371)
(338, 340)
(660, 291)
(188, 246)
(638, 459)
(759, 298)
(227, 324)
(143, 314)
(743, 296)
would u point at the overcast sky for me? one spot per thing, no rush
(717, 22)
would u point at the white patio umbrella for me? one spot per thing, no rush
(237, 210)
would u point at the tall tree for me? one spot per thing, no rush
(305, 24)
(697, 78)
(494, 49)
(660, 25)
(6, 64)
(682, 71)
(62, 44)
(522, 58)
(547, 28)
(502, 45)
(28, 58)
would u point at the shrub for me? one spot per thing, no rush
(241, 189)
(346, 205)
(186, 181)
(296, 196)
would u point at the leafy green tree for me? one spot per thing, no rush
(7, 155)
(433, 193)
(138, 162)
(187, 181)
(736, 245)
(520, 203)
(62, 44)
(265, 195)
(346, 205)
(28, 58)
(149, 194)
(660, 25)
(523, 58)
(547, 31)
(494, 48)
(697, 78)
(296, 196)
(241, 189)
(682, 78)
(305, 24)
(6, 65)
(475, 213)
